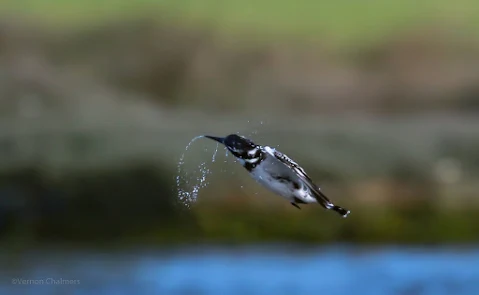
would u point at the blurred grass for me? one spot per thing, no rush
(346, 147)
(421, 223)
(129, 206)
(343, 22)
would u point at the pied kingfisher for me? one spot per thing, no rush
(277, 172)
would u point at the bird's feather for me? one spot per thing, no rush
(303, 176)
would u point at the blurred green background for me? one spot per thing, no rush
(378, 100)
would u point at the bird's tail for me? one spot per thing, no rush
(326, 203)
(340, 210)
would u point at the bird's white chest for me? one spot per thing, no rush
(265, 178)
(265, 174)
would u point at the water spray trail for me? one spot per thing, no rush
(186, 196)
(216, 151)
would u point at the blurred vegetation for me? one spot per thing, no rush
(420, 223)
(137, 205)
(417, 69)
(346, 23)
(98, 100)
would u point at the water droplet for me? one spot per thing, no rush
(188, 196)
(214, 154)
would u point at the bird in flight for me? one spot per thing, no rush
(277, 172)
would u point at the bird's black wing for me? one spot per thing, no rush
(303, 176)
(316, 192)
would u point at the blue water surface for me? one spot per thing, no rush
(250, 270)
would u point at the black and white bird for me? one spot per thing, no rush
(277, 172)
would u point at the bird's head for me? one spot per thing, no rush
(239, 146)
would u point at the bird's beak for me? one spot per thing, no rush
(218, 139)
